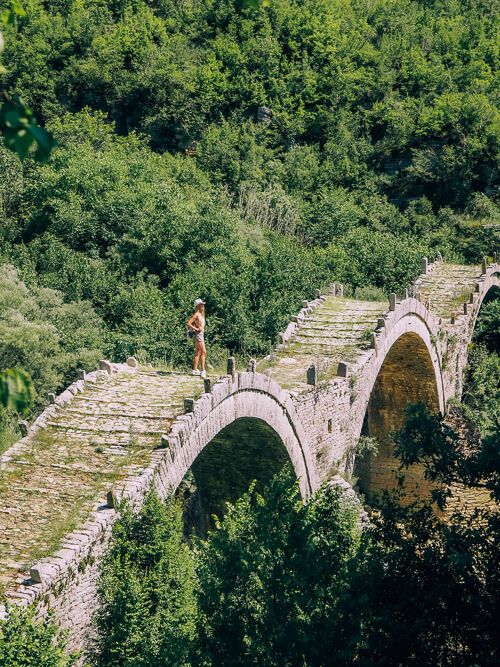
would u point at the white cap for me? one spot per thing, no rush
(197, 302)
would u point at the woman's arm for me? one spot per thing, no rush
(192, 323)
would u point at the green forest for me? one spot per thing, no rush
(249, 152)
(382, 147)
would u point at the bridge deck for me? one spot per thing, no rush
(448, 287)
(338, 330)
(106, 433)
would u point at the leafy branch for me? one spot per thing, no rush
(16, 389)
(18, 124)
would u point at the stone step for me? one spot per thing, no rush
(338, 330)
(329, 343)
(118, 411)
(69, 428)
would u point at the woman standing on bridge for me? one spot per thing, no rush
(196, 331)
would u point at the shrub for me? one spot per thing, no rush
(146, 590)
(25, 641)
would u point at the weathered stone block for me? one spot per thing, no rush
(106, 366)
(312, 376)
(231, 366)
(342, 369)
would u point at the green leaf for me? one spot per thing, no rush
(16, 389)
(21, 130)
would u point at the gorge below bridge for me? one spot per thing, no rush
(342, 368)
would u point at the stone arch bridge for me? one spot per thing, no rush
(343, 367)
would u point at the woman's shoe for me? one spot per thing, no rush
(193, 372)
(203, 374)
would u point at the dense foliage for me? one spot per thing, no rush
(18, 124)
(147, 590)
(397, 95)
(274, 580)
(247, 152)
(25, 642)
(482, 382)
(269, 589)
(45, 336)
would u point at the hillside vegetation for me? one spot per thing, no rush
(240, 151)
(248, 152)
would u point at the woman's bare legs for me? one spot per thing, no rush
(197, 355)
(203, 354)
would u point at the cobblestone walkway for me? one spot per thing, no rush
(337, 330)
(447, 288)
(53, 481)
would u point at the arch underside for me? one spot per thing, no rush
(247, 436)
(492, 293)
(407, 376)
(245, 451)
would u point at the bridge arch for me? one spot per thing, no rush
(463, 327)
(405, 370)
(246, 450)
(248, 416)
(487, 290)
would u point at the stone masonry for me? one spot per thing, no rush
(342, 368)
